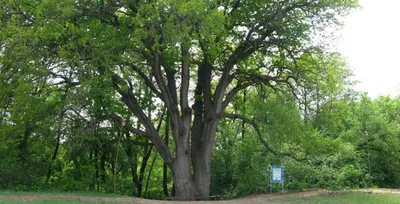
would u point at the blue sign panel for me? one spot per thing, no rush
(277, 176)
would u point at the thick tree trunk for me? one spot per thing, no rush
(181, 173)
(188, 185)
(202, 170)
(202, 146)
(184, 189)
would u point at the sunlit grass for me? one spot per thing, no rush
(349, 198)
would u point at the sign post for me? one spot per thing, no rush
(277, 176)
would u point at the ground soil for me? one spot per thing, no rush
(252, 199)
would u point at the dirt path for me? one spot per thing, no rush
(253, 199)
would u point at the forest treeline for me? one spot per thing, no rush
(52, 140)
(186, 98)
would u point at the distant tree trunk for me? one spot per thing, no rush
(165, 168)
(23, 155)
(145, 159)
(132, 158)
(24, 143)
(138, 178)
(92, 158)
(59, 132)
(173, 190)
(116, 159)
(96, 165)
(149, 175)
(103, 169)
(78, 173)
(244, 111)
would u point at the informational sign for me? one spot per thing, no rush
(277, 176)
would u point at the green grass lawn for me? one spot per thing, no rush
(50, 201)
(21, 197)
(56, 192)
(356, 198)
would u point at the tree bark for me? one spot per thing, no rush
(103, 169)
(116, 160)
(132, 158)
(165, 167)
(201, 158)
(59, 132)
(145, 159)
(181, 167)
(24, 154)
(150, 171)
(96, 159)
(244, 110)
(182, 176)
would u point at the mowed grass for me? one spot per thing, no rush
(56, 192)
(50, 201)
(20, 197)
(350, 198)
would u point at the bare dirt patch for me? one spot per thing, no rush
(252, 199)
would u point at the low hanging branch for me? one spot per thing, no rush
(263, 141)
(129, 127)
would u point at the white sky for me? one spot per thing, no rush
(371, 44)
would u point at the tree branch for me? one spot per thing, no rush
(229, 97)
(248, 47)
(259, 134)
(169, 93)
(128, 127)
(184, 92)
(130, 100)
(147, 81)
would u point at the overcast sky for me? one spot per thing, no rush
(371, 44)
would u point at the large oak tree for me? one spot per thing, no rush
(192, 56)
